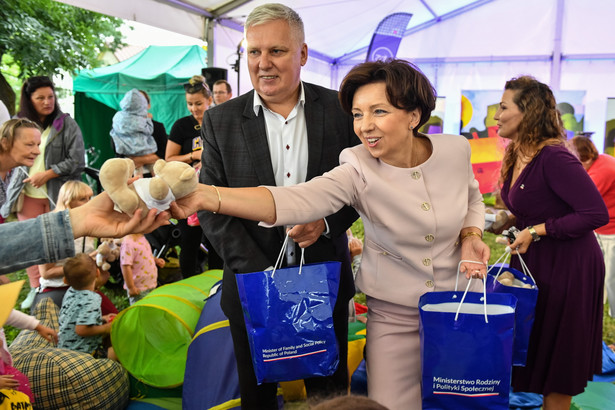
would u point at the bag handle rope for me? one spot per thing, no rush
(44, 192)
(506, 255)
(278, 262)
(484, 298)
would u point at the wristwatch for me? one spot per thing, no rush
(532, 231)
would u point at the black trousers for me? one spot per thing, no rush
(190, 257)
(214, 261)
(263, 397)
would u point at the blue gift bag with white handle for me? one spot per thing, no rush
(466, 349)
(289, 318)
(524, 288)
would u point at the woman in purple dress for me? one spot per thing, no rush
(557, 206)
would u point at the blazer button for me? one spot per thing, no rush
(427, 261)
(429, 238)
(429, 283)
(416, 175)
(425, 206)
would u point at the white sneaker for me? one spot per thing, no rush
(27, 302)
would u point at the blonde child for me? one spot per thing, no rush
(72, 195)
(82, 325)
(139, 267)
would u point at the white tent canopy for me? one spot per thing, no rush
(459, 44)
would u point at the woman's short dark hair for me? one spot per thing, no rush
(407, 88)
(26, 108)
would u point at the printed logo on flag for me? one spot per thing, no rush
(387, 37)
(381, 53)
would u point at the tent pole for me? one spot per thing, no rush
(556, 62)
(237, 66)
(209, 39)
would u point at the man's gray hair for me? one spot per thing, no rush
(276, 11)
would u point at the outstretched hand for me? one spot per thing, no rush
(98, 218)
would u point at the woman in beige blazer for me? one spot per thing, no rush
(421, 209)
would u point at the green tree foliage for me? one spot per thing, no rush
(45, 37)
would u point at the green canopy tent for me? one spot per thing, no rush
(158, 70)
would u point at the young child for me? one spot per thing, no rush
(11, 378)
(139, 267)
(72, 195)
(106, 307)
(82, 325)
(133, 130)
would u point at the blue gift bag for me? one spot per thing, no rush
(466, 349)
(289, 318)
(526, 303)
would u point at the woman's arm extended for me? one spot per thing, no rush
(255, 204)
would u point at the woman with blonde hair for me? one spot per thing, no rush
(185, 145)
(62, 156)
(19, 146)
(72, 195)
(185, 142)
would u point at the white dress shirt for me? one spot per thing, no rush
(288, 147)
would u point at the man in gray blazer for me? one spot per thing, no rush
(281, 133)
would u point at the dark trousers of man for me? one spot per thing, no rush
(263, 397)
(190, 256)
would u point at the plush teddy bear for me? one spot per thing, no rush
(108, 251)
(173, 180)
